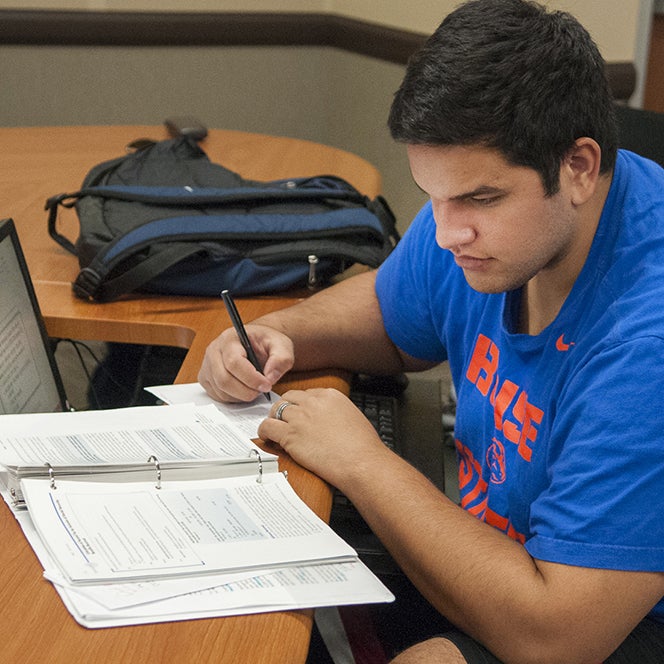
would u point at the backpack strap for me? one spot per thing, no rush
(68, 201)
(91, 283)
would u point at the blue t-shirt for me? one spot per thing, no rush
(560, 435)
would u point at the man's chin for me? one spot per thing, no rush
(489, 285)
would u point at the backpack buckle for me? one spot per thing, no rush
(87, 284)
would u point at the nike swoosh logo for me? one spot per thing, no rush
(561, 345)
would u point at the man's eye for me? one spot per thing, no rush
(485, 201)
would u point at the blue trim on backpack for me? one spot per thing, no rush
(247, 226)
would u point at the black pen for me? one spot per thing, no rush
(242, 333)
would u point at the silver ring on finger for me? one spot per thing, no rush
(279, 413)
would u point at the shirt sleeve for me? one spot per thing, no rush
(603, 506)
(405, 287)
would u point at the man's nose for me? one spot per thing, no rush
(453, 229)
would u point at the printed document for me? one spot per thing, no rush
(245, 416)
(107, 532)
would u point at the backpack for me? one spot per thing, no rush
(165, 219)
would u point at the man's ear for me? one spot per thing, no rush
(581, 169)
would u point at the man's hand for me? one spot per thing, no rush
(323, 431)
(227, 375)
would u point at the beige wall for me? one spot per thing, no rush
(321, 94)
(613, 23)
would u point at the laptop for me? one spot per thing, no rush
(29, 378)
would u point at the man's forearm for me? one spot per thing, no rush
(342, 327)
(524, 610)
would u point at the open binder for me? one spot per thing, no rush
(199, 509)
(129, 444)
(141, 532)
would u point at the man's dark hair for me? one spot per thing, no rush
(509, 75)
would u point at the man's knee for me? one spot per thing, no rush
(438, 650)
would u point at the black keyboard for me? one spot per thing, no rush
(383, 412)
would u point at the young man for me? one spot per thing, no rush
(536, 270)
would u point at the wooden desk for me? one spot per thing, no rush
(36, 163)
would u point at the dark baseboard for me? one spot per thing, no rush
(97, 28)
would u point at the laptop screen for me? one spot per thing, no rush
(29, 377)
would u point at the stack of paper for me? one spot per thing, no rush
(131, 550)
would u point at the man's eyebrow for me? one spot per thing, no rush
(483, 190)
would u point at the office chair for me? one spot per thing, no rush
(641, 132)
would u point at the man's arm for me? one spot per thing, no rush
(524, 610)
(340, 327)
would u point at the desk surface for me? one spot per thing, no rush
(36, 163)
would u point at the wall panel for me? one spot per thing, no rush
(332, 80)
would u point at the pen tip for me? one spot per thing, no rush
(268, 397)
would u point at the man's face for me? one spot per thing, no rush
(493, 216)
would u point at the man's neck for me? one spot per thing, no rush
(544, 295)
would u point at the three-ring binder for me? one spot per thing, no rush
(259, 479)
(51, 476)
(155, 461)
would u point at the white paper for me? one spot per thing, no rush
(283, 589)
(276, 554)
(119, 596)
(177, 442)
(245, 416)
(114, 605)
(124, 435)
(119, 532)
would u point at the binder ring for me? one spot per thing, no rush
(259, 479)
(51, 475)
(157, 467)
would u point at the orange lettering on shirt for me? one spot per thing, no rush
(469, 467)
(496, 520)
(502, 401)
(527, 414)
(479, 509)
(503, 524)
(513, 415)
(476, 501)
(483, 364)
